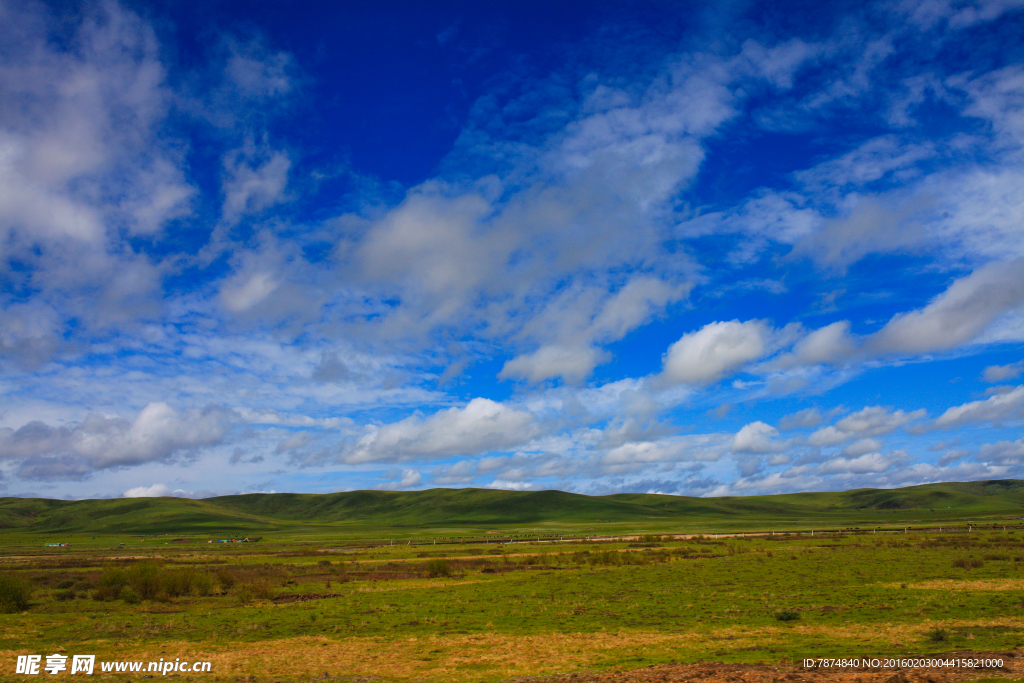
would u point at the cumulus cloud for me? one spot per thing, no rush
(154, 491)
(1002, 406)
(693, 448)
(757, 437)
(581, 317)
(830, 344)
(482, 426)
(1001, 373)
(861, 447)
(571, 363)
(958, 315)
(808, 417)
(406, 479)
(869, 462)
(1002, 453)
(871, 421)
(715, 350)
(158, 433)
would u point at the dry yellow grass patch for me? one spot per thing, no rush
(902, 632)
(462, 658)
(960, 585)
(456, 658)
(413, 584)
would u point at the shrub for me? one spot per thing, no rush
(787, 615)
(938, 635)
(110, 584)
(130, 596)
(62, 596)
(187, 581)
(967, 563)
(323, 563)
(203, 584)
(438, 568)
(258, 589)
(14, 594)
(144, 577)
(226, 578)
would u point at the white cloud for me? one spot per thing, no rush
(482, 426)
(958, 315)
(691, 448)
(253, 181)
(829, 344)
(1000, 373)
(462, 472)
(715, 350)
(861, 447)
(1003, 406)
(583, 316)
(157, 433)
(407, 479)
(757, 437)
(808, 417)
(242, 295)
(952, 456)
(154, 491)
(871, 421)
(1002, 453)
(504, 485)
(297, 440)
(256, 73)
(645, 452)
(84, 161)
(869, 462)
(571, 363)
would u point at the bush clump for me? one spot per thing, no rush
(938, 635)
(787, 615)
(258, 590)
(187, 581)
(438, 568)
(226, 578)
(14, 594)
(967, 563)
(110, 584)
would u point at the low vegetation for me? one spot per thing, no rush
(479, 601)
(492, 611)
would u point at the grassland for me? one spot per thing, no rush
(293, 606)
(470, 513)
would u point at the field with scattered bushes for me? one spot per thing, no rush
(491, 611)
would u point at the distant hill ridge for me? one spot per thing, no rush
(471, 508)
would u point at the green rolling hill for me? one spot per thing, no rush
(456, 512)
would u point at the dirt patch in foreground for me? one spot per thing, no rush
(718, 672)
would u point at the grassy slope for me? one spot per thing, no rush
(479, 508)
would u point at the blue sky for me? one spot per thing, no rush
(702, 249)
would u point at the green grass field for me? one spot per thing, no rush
(318, 595)
(469, 513)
